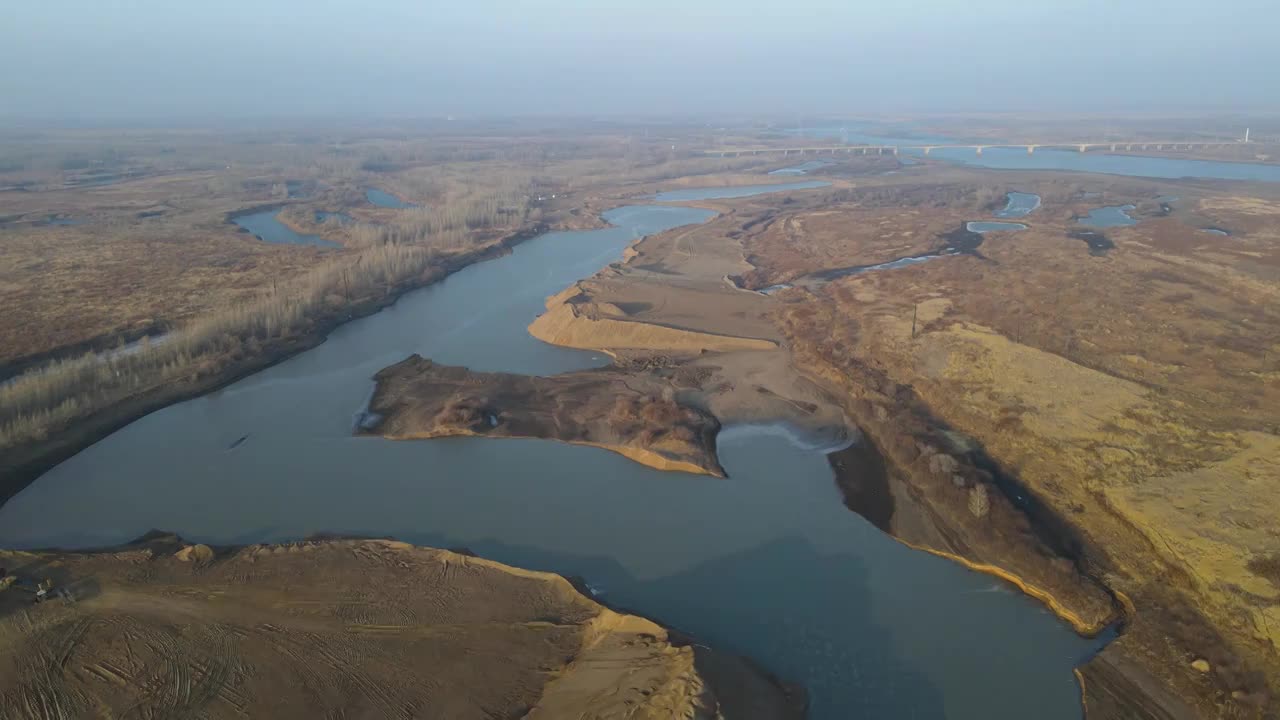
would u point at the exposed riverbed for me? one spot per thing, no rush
(767, 562)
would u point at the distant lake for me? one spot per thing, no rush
(382, 198)
(264, 226)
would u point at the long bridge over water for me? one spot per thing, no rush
(978, 148)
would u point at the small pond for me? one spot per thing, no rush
(382, 198)
(266, 227)
(1113, 216)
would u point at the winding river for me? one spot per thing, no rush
(767, 563)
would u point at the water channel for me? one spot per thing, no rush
(1017, 158)
(265, 226)
(767, 563)
(382, 198)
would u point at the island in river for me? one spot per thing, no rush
(635, 415)
(343, 628)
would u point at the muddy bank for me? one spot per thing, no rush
(912, 477)
(20, 466)
(633, 414)
(358, 627)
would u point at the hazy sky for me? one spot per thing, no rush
(84, 60)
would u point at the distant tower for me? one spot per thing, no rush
(1246, 134)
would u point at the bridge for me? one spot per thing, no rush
(1030, 147)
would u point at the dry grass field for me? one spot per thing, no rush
(1134, 393)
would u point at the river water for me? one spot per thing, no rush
(382, 198)
(693, 194)
(1017, 158)
(1019, 204)
(1099, 162)
(266, 227)
(767, 563)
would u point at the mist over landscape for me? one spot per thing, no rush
(78, 61)
(806, 360)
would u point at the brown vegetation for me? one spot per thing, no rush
(1120, 403)
(1095, 428)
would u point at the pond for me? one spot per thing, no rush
(265, 226)
(1113, 216)
(382, 198)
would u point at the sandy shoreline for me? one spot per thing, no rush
(238, 630)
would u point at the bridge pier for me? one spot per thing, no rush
(1031, 149)
(978, 148)
(1083, 148)
(927, 150)
(895, 149)
(1113, 147)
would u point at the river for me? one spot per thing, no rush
(1017, 158)
(767, 563)
(265, 226)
